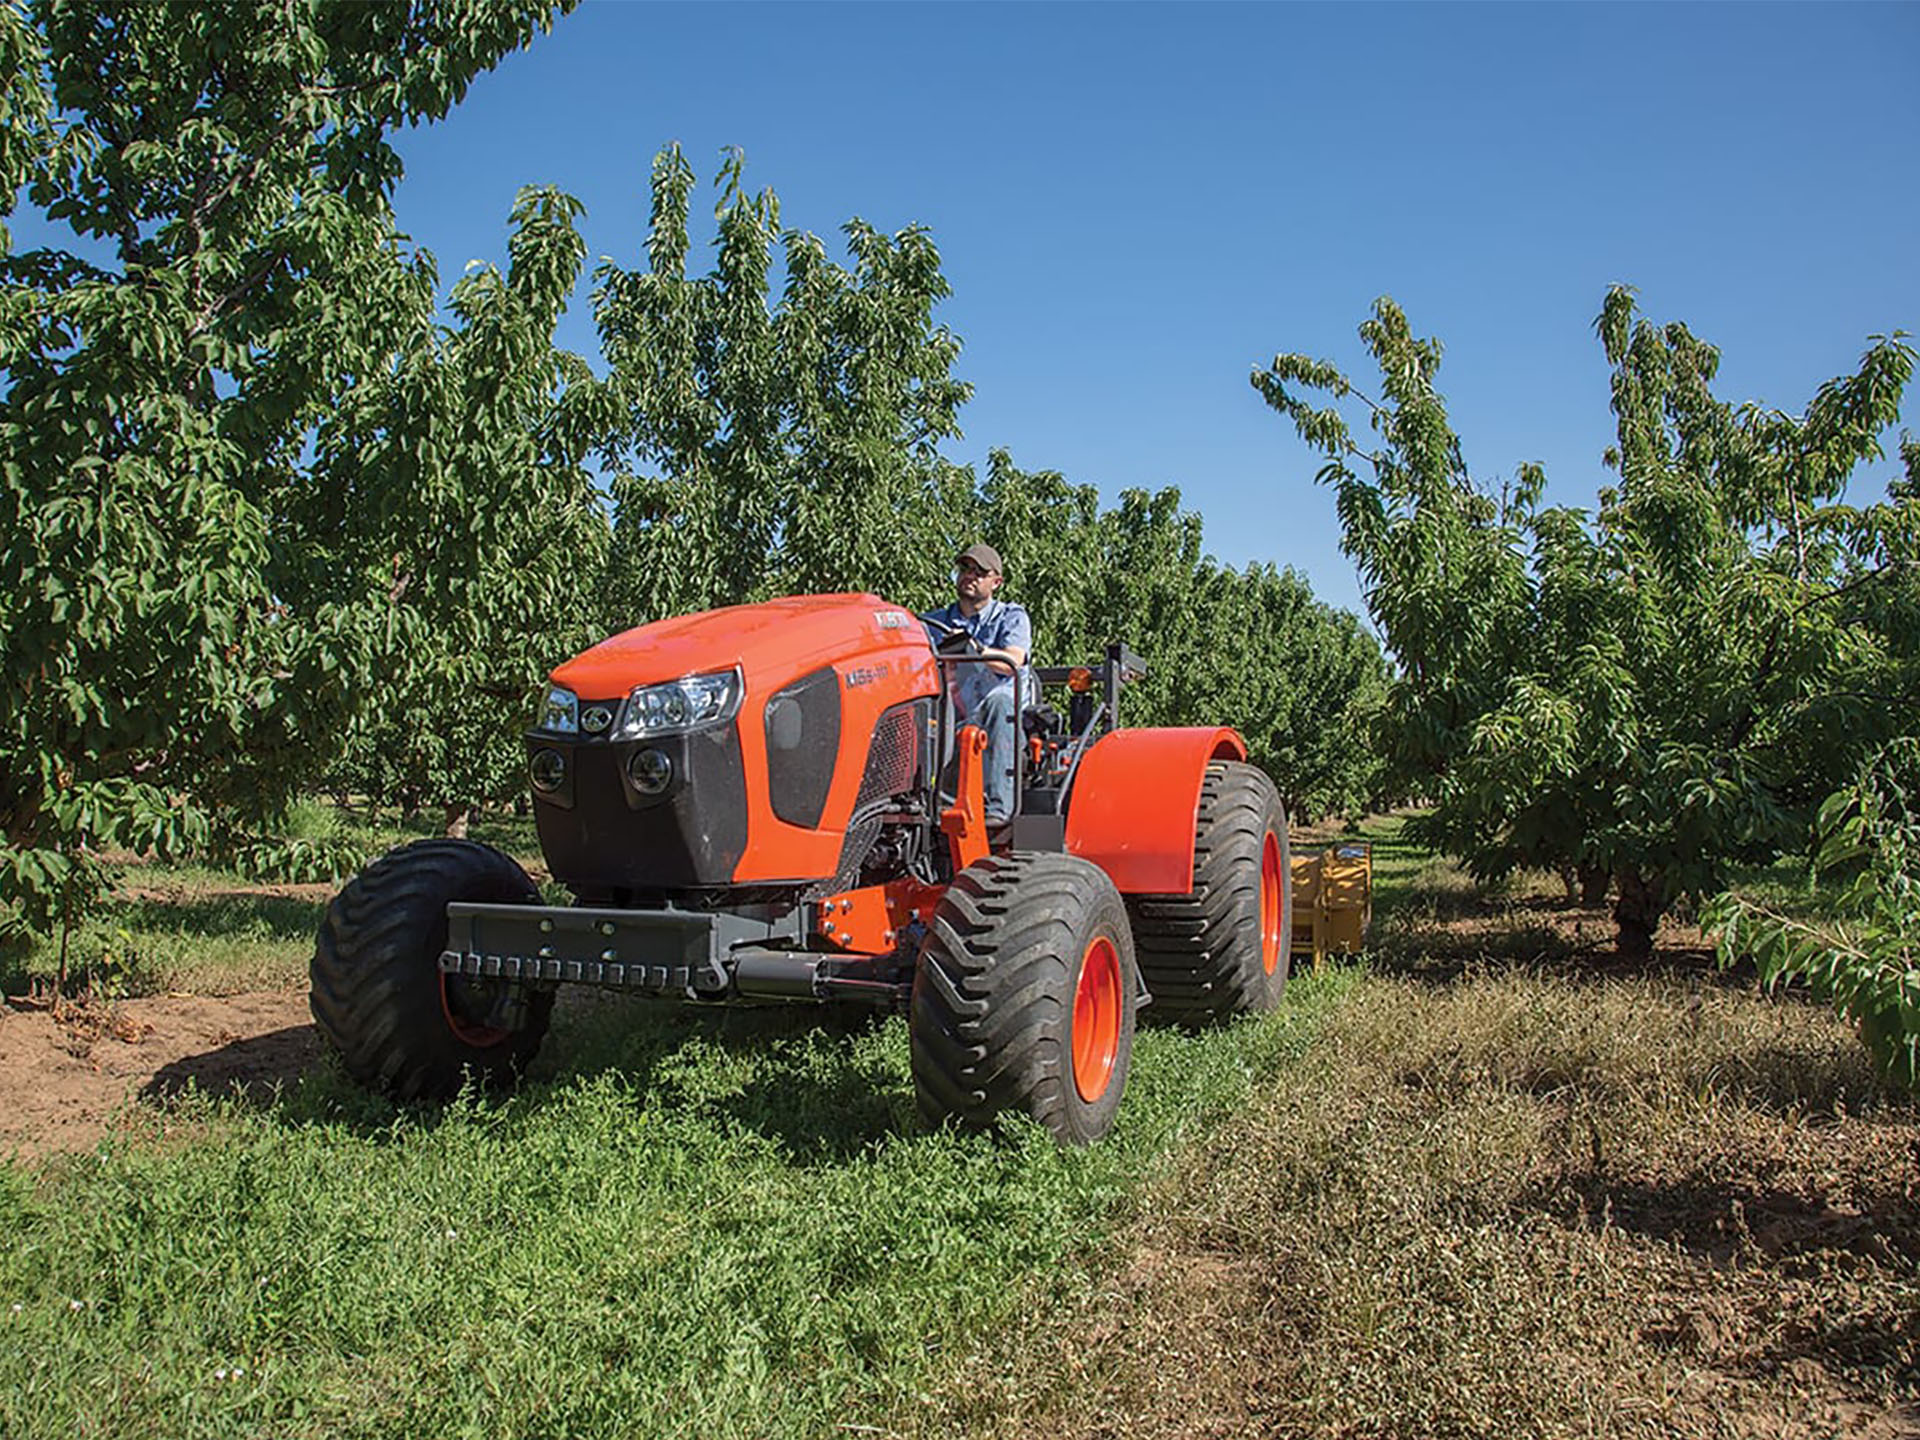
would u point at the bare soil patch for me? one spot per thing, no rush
(66, 1080)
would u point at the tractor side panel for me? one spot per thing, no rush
(1136, 800)
(804, 740)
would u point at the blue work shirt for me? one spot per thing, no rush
(1000, 625)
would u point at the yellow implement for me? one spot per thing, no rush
(1332, 899)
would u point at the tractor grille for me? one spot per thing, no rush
(893, 758)
(893, 767)
(803, 741)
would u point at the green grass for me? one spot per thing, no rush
(704, 1225)
(211, 930)
(1501, 1195)
(374, 829)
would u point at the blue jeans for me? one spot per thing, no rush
(994, 714)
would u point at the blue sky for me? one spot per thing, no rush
(1135, 205)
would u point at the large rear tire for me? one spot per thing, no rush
(378, 997)
(1025, 998)
(1224, 949)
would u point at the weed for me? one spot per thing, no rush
(1635, 1205)
(729, 1221)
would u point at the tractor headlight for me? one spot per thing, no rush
(548, 769)
(678, 705)
(651, 771)
(560, 713)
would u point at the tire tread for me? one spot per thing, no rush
(1199, 954)
(375, 984)
(993, 997)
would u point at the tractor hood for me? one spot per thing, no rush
(830, 719)
(779, 637)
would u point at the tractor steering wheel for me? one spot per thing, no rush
(953, 639)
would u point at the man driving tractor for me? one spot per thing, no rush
(983, 695)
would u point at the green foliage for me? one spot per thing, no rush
(786, 447)
(456, 481)
(1865, 960)
(235, 273)
(1659, 688)
(1302, 681)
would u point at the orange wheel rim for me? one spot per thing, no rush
(1273, 892)
(480, 1037)
(1097, 1003)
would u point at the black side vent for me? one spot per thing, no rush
(803, 740)
(893, 768)
(893, 761)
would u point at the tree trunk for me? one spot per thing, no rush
(1594, 880)
(459, 813)
(1636, 914)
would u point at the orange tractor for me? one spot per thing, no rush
(773, 803)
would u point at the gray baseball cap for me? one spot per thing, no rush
(983, 555)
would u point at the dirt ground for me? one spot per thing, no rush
(65, 1079)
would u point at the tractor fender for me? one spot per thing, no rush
(1135, 802)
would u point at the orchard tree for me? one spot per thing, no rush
(1862, 957)
(770, 445)
(1302, 682)
(225, 173)
(1651, 692)
(1865, 959)
(459, 477)
(1253, 649)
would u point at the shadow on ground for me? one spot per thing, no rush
(1441, 938)
(257, 1069)
(806, 1079)
(217, 914)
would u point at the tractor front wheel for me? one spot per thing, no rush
(1224, 948)
(378, 997)
(1025, 997)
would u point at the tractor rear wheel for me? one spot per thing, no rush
(1224, 949)
(378, 996)
(1025, 997)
